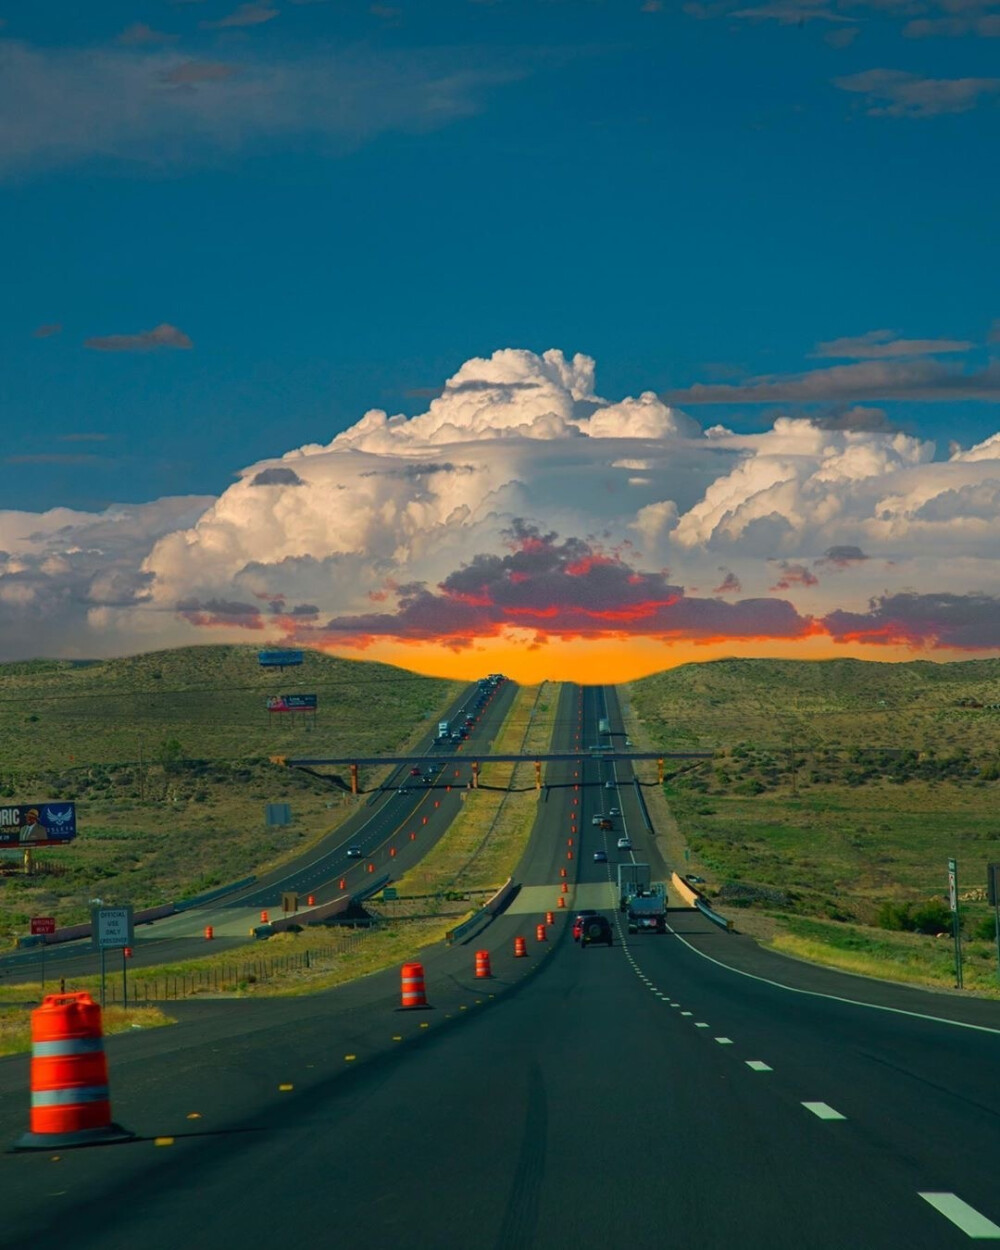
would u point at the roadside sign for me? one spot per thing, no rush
(289, 901)
(112, 927)
(389, 893)
(993, 883)
(37, 824)
(42, 924)
(953, 884)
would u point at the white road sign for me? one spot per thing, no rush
(113, 927)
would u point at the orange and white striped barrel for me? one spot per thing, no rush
(549, 918)
(483, 964)
(565, 888)
(520, 948)
(209, 933)
(540, 934)
(414, 993)
(562, 901)
(70, 1103)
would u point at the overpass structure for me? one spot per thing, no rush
(354, 762)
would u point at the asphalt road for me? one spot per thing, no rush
(381, 828)
(637, 1096)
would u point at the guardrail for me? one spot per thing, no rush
(642, 805)
(469, 928)
(714, 916)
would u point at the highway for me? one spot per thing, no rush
(380, 828)
(689, 1089)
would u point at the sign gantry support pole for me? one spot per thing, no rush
(955, 918)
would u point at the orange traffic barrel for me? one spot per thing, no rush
(483, 964)
(343, 883)
(392, 852)
(562, 901)
(70, 1105)
(520, 947)
(263, 917)
(569, 854)
(549, 918)
(414, 993)
(540, 935)
(209, 933)
(311, 900)
(562, 872)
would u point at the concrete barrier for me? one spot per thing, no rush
(491, 908)
(684, 890)
(72, 932)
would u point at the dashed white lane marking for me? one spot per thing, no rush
(675, 1004)
(963, 1216)
(701, 1025)
(687, 1013)
(823, 1110)
(759, 1065)
(724, 1041)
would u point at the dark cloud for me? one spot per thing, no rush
(980, 500)
(857, 418)
(842, 557)
(139, 34)
(215, 612)
(420, 468)
(928, 380)
(277, 475)
(255, 14)
(146, 341)
(190, 73)
(959, 622)
(896, 93)
(794, 575)
(730, 584)
(48, 330)
(882, 344)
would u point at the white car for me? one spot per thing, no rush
(596, 820)
(609, 785)
(624, 844)
(614, 811)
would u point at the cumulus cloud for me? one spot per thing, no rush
(521, 502)
(146, 341)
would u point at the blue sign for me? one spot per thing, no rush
(292, 703)
(279, 659)
(37, 824)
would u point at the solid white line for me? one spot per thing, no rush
(823, 1110)
(963, 1216)
(759, 1065)
(724, 1041)
(836, 998)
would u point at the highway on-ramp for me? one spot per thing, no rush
(639, 1096)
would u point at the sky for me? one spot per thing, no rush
(566, 338)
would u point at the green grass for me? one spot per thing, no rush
(835, 788)
(191, 815)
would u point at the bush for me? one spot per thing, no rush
(934, 916)
(985, 929)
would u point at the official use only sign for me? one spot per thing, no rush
(112, 927)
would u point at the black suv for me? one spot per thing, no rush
(596, 929)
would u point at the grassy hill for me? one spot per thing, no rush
(837, 792)
(167, 756)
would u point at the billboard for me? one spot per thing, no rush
(292, 703)
(37, 824)
(279, 659)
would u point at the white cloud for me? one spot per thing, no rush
(516, 440)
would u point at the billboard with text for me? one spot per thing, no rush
(292, 703)
(37, 824)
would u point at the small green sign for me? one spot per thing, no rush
(389, 893)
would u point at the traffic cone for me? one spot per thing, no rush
(520, 948)
(562, 872)
(549, 918)
(565, 888)
(311, 900)
(562, 901)
(263, 917)
(483, 964)
(209, 933)
(540, 934)
(414, 993)
(70, 1105)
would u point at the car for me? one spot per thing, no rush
(609, 785)
(354, 852)
(694, 878)
(596, 820)
(628, 742)
(624, 843)
(596, 930)
(403, 790)
(600, 857)
(605, 823)
(580, 920)
(615, 811)
(414, 772)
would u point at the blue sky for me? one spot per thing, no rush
(683, 192)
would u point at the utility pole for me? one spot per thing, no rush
(142, 788)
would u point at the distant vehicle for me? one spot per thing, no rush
(609, 785)
(596, 819)
(694, 878)
(647, 912)
(600, 857)
(604, 823)
(581, 918)
(264, 931)
(414, 772)
(596, 931)
(633, 879)
(624, 843)
(403, 790)
(443, 728)
(605, 726)
(354, 852)
(615, 811)
(628, 742)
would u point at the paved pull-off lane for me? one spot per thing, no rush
(635, 1097)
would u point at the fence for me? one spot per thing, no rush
(227, 976)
